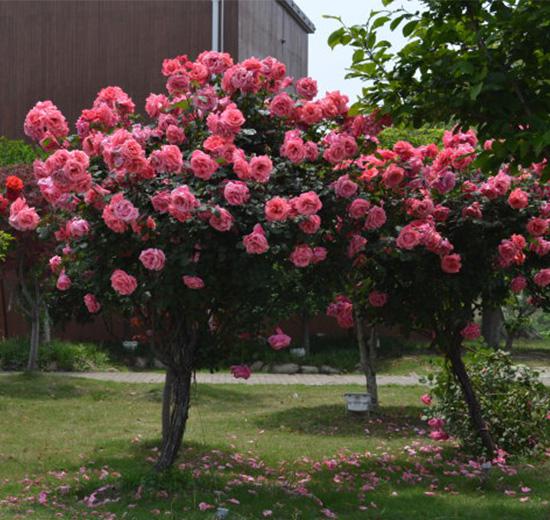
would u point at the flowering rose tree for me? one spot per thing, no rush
(194, 223)
(20, 201)
(433, 236)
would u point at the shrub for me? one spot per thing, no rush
(416, 136)
(16, 152)
(63, 355)
(514, 402)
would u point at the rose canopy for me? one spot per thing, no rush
(196, 222)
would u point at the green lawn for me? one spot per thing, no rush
(284, 449)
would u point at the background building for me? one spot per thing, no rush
(67, 50)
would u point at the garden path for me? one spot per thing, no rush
(259, 379)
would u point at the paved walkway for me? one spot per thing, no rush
(258, 379)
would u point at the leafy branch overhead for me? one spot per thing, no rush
(480, 64)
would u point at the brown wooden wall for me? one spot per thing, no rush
(67, 50)
(265, 28)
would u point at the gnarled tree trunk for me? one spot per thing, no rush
(306, 335)
(492, 325)
(178, 357)
(452, 351)
(367, 354)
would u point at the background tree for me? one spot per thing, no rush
(19, 199)
(481, 64)
(431, 234)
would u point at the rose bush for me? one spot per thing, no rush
(432, 236)
(204, 220)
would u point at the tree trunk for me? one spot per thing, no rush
(32, 363)
(492, 322)
(306, 336)
(47, 326)
(178, 357)
(175, 410)
(366, 358)
(474, 408)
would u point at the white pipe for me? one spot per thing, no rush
(222, 41)
(215, 25)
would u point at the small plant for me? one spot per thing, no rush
(514, 402)
(57, 355)
(17, 152)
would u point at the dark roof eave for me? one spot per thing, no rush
(296, 13)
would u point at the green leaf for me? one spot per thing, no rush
(358, 56)
(354, 109)
(379, 22)
(545, 176)
(475, 90)
(386, 2)
(409, 27)
(183, 104)
(336, 37)
(396, 21)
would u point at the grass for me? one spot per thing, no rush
(262, 446)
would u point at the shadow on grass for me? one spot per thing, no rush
(42, 387)
(334, 420)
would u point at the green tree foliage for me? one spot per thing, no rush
(481, 63)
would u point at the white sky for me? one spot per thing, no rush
(328, 66)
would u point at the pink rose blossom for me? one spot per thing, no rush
(277, 209)
(310, 225)
(282, 105)
(236, 193)
(356, 244)
(256, 243)
(63, 281)
(306, 88)
(393, 176)
(203, 165)
(451, 263)
(193, 282)
(377, 298)
(78, 228)
(302, 255)
(91, 303)
(471, 331)
(518, 284)
(279, 340)
(358, 208)
(439, 435)
(221, 219)
(152, 259)
(307, 203)
(22, 217)
(240, 371)
(408, 238)
(55, 263)
(436, 423)
(518, 199)
(167, 159)
(537, 226)
(376, 218)
(542, 278)
(123, 283)
(426, 399)
(319, 255)
(294, 150)
(260, 168)
(345, 187)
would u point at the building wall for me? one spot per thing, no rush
(265, 28)
(67, 50)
